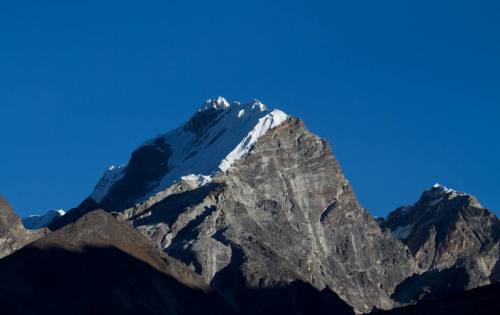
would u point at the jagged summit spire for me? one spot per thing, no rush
(220, 103)
(212, 140)
(442, 187)
(256, 103)
(438, 190)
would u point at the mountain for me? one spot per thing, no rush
(99, 265)
(454, 240)
(13, 235)
(215, 137)
(36, 221)
(212, 140)
(253, 202)
(258, 206)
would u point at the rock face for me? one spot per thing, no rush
(271, 209)
(258, 206)
(99, 265)
(13, 235)
(283, 213)
(454, 239)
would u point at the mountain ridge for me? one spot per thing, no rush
(252, 201)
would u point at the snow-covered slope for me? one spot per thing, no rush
(35, 221)
(218, 135)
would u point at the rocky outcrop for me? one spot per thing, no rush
(13, 235)
(99, 265)
(454, 240)
(283, 213)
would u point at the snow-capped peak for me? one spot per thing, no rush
(36, 221)
(439, 190)
(432, 198)
(260, 105)
(211, 141)
(442, 188)
(218, 104)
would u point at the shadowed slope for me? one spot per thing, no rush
(482, 301)
(100, 266)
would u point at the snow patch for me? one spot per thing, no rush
(220, 103)
(446, 190)
(258, 104)
(198, 178)
(271, 120)
(111, 176)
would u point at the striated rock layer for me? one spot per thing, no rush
(285, 212)
(250, 200)
(454, 240)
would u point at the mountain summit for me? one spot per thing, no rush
(258, 206)
(455, 242)
(253, 201)
(216, 137)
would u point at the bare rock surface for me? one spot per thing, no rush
(454, 240)
(13, 235)
(283, 213)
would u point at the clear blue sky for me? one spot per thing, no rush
(407, 92)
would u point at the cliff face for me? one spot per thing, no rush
(258, 206)
(454, 239)
(13, 235)
(284, 212)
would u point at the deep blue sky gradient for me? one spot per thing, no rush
(407, 92)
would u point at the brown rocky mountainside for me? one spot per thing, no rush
(13, 235)
(99, 265)
(454, 240)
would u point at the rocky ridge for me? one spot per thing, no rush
(454, 240)
(13, 235)
(253, 202)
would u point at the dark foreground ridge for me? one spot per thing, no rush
(484, 301)
(100, 266)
